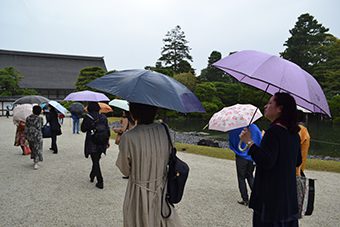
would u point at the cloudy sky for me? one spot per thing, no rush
(129, 33)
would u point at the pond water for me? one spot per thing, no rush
(325, 136)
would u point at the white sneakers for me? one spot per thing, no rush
(35, 166)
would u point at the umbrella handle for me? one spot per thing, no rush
(240, 146)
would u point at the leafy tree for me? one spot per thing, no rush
(164, 70)
(86, 75)
(207, 93)
(185, 67)
(334, 105)
(188, 79)
(303, 47)
(9, 83)
(175, 49)
(211, 73)
(327, 72)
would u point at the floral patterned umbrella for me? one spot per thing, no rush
(233, 117)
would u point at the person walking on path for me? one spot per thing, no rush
(75, 122)
(143, 156)
(7, 111)
(244, 163)
(305, 143)
(91, 120)
(20, 138)
(34, 135)
(274, 195)
(52, 119)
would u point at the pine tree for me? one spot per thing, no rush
(175, 49)
(303, 47)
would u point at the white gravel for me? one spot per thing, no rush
(60, 193)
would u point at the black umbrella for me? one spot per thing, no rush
(77, 108)
(31, 99)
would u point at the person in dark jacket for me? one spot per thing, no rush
(52, 119)
(274, 195)
(92, 149)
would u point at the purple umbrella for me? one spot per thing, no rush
(89, 96)
(273, 74)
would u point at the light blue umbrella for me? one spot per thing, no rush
(58, 107)
(148, 87)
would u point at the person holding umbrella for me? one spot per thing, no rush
(274, 195)
(34, 135)
(52, 119)
(143, 156)
(76, 110)
(91, 122)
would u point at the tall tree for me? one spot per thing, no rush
(211, 73)
(303, 47)
(327, 72)
(86, 75)
(175, 49)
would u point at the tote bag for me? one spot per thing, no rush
(46, 131)
(306, 194)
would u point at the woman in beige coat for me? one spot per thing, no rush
(143, 156)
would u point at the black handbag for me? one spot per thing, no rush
(177, 176)
(46, 131)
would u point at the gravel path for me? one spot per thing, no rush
(60, 194)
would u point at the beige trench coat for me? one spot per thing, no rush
(143, 156)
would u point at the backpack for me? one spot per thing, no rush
(177, 176)
(99, 134)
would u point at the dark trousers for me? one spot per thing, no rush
(54, 141)
(257, 222)
(245, 169)
(95, 172)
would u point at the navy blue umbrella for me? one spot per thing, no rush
(148, 87)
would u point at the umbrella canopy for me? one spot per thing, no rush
(89, 96)
(272, 74)
(121, 104)
(77, 108)
(233, 117)
(148, 87)
(104, 108)
(31, 99)
(21, 112)
(58, 107)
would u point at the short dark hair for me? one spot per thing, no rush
(288, 116)
(93, 107)
(36, 110)
(142, 113)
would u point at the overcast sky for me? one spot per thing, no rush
(129, 33)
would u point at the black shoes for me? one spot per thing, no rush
(125, 177)
(243, 202)
(100, 185)
(91, 178)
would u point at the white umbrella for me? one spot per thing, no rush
(58, 107)
(20, 112)
(233, 117)
(120, 103)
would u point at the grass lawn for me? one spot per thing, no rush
(312, 164)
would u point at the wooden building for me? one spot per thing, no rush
(51, 75)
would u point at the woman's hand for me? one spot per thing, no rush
(245, 136)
